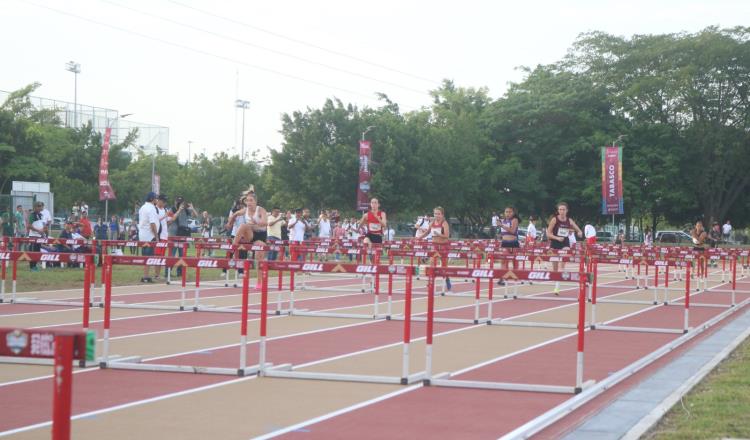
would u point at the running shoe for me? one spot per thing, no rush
(500, 282)
(557, 291)
(147, 280)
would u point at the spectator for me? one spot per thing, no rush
(85, 226)
(531, 232)
(46, 217)
(726, 230)
(648, 237)
(37, 229)
(180, 226)
(206, 225)
(133, 236)
(620, 238)
(715, 234)
(148, 224)
(589, 231)
(389, 234)
(20, 222)
(114, 228)
(101, 230)
(324, 225)
(495, 222)
(308, 223)
(162, 231)
(275, 222)
(6, 227)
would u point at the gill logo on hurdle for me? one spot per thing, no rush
(367, 269)
(206, 263)
(156, 262)
(312, 267)
(50, 257)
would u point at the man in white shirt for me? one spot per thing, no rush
(297, 227)
(590, 233)
(495, 223)
(46, 216)
(148, 230)
(422, 225)
(275, 221)
(726, 230)
(531, 232)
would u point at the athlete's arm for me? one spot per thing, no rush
(263, 218)
(551, 230)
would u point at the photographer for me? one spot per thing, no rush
(180, 215)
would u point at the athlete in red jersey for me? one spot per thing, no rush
(376, 222)
(440, 232)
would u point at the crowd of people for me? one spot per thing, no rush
(248, 222)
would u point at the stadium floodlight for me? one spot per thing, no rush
(367, 130)
(244, 105)
(72, 66)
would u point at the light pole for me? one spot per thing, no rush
(244, 105)
(367, 130)
(190, 144)
(72, 66)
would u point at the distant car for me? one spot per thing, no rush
(194, 225)
(58, 222)
(673, 237)
(604, 237)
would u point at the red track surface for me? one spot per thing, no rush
(431, 411)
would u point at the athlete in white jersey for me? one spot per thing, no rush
(254, 230)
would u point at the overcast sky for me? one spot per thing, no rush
(182, 63)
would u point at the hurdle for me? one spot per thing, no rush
(135, 363)
(22, 256)
(446, 379)
(368, 284)
(61, 346)
(289, 372)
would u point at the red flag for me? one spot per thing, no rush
(363, 187)
(105, 189)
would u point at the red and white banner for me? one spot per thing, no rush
(363, 187)
(105, 189)
(612, 181)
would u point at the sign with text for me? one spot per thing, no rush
(612, 181)
(365, 174)
(105, 188)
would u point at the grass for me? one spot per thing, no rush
(53, 278)
(718, 407)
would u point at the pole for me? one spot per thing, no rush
(242, 154)
(106, 209)
(75, 99)
(153, 170)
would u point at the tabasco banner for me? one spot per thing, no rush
(612, 180)
(105, 189)
(363, 188)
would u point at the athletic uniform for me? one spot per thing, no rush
(374, 228)
(530, 235)
(562, 228)
(260, 234)
(435, 230)
(504, 232)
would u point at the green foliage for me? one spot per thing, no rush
(680, 101)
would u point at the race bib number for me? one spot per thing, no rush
(563, 232)
(375, 227)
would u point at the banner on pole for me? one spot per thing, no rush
(612, 181)
(363, 187)
(156, 184)
(105, 189)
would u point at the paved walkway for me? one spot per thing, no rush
(637, 410)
